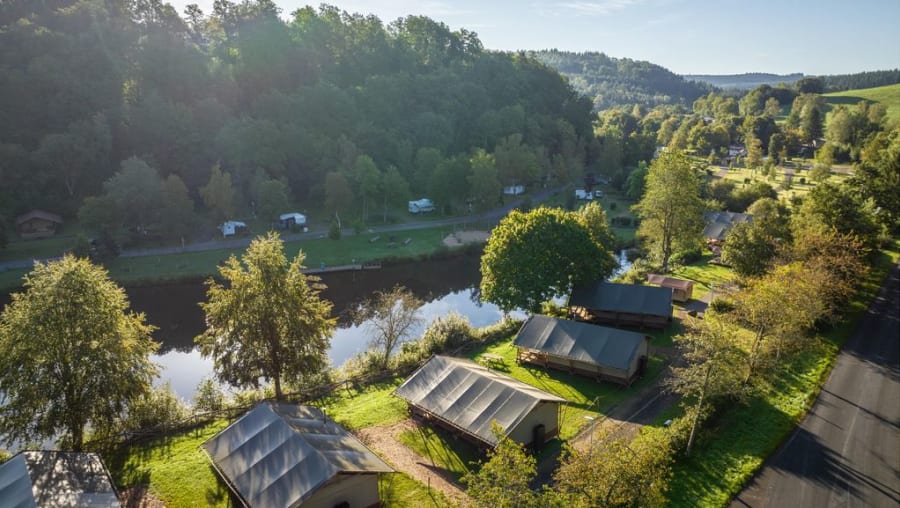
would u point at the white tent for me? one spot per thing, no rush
(293, 218)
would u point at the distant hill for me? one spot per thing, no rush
(746, 81)
(887, 95)
(621, 81)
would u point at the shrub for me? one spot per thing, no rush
(802, 180)
(209, 396)
(160, 409)
(498, 331)
(721, 305)
(334, 232)
(554, 310)
(638, 272)
(688, 256)
(450, 331)
(613, 206)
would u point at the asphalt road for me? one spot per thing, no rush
(847, 450)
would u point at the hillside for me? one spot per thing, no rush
(887, 95)
(618, 81)
(744, 81)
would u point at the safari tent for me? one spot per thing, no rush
(622, 304)
(287, 455)
(56, 479)
(682, 290)
(595, 351)
(465, 397)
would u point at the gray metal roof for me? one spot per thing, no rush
(668, 282)
(278, 455)
(719, 223)
(584, 342)
(470, 396)
(606, 296)
(55, 480)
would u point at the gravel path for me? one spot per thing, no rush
(384, 440)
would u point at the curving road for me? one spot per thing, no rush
(847, 450)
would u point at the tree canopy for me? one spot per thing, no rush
(671, 210)
(268, 322)
(531, 257)
(72, 355)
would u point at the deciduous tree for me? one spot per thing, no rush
(503, 481)
(390, 317)
(534, 256)
(218, 194)
(671, 210)
(268, 322)
(72, 355)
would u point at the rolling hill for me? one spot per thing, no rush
(887, 95)
(745, 81)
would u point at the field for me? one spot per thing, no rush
(887, 95)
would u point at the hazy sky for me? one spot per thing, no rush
(686, 36)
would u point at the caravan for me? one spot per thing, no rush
(421, 205)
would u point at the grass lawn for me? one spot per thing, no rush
(352, 249)
(400, 491)
(174, 469)
(887, 95)
(445, 451)
(704, 275)
(738, 441)
(365, 407)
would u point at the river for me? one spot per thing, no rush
(444, 286)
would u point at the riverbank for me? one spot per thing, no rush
(321, 252)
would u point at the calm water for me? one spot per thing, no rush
(443, 285)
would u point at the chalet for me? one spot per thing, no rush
(682, 290)
(622, 304)
(288, 455)
(465, 398)
(718, 224)
(56, 479)
(38, 224)
(582, 348)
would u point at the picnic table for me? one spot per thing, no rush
(492, 360)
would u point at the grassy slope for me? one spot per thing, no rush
(729, 453)
(887, 95)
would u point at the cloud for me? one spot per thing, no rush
(597, 7)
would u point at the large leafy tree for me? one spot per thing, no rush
(671, 210)
(712, 367)
(534, 256)
(71, 354)
(503, 480)
(268, 323)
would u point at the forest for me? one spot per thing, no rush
(133, 118)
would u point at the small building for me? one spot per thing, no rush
(599, 352)
(465, 398)
(288, 455)
(622, 304)
(682, 290)
(56, 479)
(718, 224)
(37, 224)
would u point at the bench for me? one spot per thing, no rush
(374, 239)
(406, 242)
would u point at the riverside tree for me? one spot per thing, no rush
(268, 322)
(671, 210)
(534, 256)
(72, 355)
(390, 317)
(503, 480)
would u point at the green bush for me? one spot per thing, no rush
(613, 206)
(721, 305)
(209, 396)
(160, 409)
(334, 231)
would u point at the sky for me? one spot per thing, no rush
(686, 36)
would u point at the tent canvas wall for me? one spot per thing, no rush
(583, 348)
(466, 397)
(682, 290)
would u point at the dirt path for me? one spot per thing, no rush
(384, 440)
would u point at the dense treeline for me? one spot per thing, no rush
(616, 81)
(746, 80)
(238, 108)
(870, 79)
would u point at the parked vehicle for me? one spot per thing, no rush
(421, 205)
(232, 227)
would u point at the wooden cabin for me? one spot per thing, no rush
(682, 290)
(627, 305)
